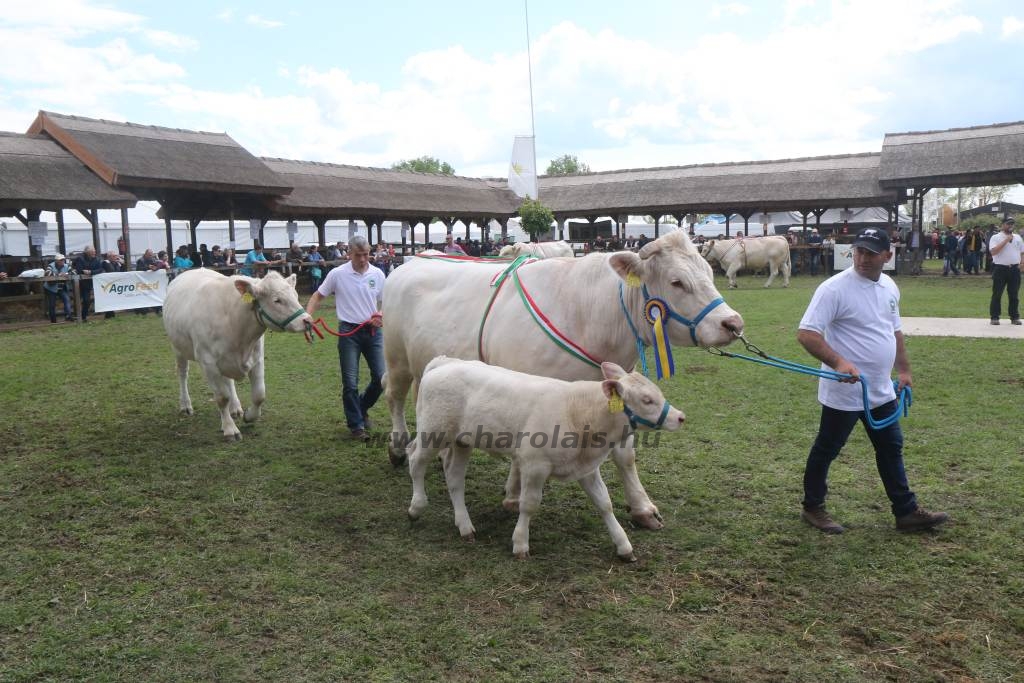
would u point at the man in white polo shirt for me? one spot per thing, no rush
(357, 287)
(852, 326)
(1007, 251)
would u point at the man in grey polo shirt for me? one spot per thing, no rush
(852, 326)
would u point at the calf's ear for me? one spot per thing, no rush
(611, 388)
(625, 263)
(291, 280)
(612, 371)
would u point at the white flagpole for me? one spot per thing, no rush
(529, 70)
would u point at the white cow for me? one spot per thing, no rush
(435, 307)
(549, 427)
(541, 249)
(219, 321)
(750, 253)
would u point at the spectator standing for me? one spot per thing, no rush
(1007, 249)
(217, 257)
(950, 245)
(205, 258)
(814, 250)
(316, 271)
(852, 326)
(86, 265)
(54, 290)
(112, 264)
(452, 247)
(358, 287)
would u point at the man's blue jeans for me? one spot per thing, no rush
(368, 342)
(833, 431)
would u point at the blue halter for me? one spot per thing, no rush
(635, 419)
(692, 324)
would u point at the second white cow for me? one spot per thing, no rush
(540, 249)
(750, 253)
(219, 322)
(549, 427)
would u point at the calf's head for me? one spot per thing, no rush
(642, 400)
(275, 301)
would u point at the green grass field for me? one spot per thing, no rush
(136, 545)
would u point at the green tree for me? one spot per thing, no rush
(425, 164)
(567, 164)
(536, 218)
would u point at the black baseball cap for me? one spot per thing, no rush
(1010, 220)
(872, 239)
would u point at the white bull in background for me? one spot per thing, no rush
(541, 249)
(219, 321)
(467, 404)
(435, 307)
(750, 253)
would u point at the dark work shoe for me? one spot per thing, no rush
(1015, 322)
(920, 520)
(360, 435)
(820, 519)
(995, 321)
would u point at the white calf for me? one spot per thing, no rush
(219, 322)
(550, 427)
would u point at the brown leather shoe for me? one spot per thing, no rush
(820, 519)
(920, 520)
(360, 435)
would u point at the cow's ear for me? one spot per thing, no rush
(291, 280)
(650, 249)
(612, 371)
(243, 286)
(625, 263)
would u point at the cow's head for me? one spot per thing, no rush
(275, 301)
(671, 269)
(642, 400)
(707, 250)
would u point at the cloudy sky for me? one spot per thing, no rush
(620, 85)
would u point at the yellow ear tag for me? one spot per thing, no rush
(633, 280)
(247, 298)
(615, 404)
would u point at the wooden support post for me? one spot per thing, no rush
(94, 219)
(170, 238)
(127, 239)
(62, 241)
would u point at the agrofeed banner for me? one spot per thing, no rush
(134, 289)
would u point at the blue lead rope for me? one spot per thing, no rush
(902, 407)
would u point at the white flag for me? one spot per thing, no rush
(522, 172)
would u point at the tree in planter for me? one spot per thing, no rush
(536, 218)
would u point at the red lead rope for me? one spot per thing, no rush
(314, 327)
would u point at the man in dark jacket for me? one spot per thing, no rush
(87, 264)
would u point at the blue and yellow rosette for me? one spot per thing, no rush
(656, 312)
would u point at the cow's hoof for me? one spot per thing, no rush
(522, 555)
(231, 438)
(510, 505)
(187, 412)
(470, 537)
(236, 412)
(252, 415)
(628, 557)
(648, 520)
(396, 460)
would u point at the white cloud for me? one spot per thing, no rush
(226, 14)
(174, 41)
(728, 9)
(1012, 26)
(257, 20)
